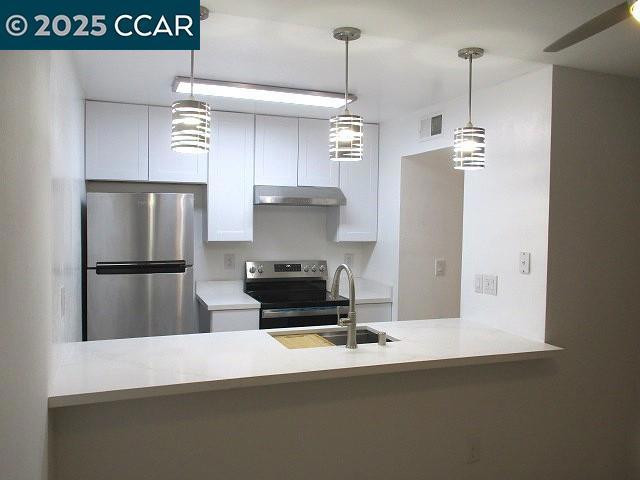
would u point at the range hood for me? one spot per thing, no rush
(299, 196)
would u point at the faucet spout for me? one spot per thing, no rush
(350, 320)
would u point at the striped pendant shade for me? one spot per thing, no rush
(190, 126)
(469, 148)
(345, 138)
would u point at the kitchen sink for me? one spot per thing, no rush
(332, 336)
(363, 335)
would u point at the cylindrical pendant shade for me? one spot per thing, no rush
(469, 148)
(190, 126)
(345, 138)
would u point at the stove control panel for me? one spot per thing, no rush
(286, 269)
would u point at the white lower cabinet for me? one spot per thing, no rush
(373, 312)
(230, 187)
(357, 221)
(229, 320)
(165, 165)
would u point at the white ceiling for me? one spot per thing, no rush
(405, 60)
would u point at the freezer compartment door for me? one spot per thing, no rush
(139, 227)
(139, 305)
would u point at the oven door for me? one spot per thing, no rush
(300, 317)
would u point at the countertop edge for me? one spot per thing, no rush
(212, 307)
(295, 377)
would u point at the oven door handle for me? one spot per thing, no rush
(302, 312)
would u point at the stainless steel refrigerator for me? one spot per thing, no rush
(139, 276)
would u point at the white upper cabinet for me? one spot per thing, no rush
(165, 165)
(314, 167)
(230, 185)
(276, 151)
(116, 141)
(357, 221)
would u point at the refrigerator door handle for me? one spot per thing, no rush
(133, 268)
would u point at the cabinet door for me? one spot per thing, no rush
(234, 320)
(276, 151)
(230, 186)
(357, 221)
(165, 165)
(374, 312)
(314, 167)
(116, 136)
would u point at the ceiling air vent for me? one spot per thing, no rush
(430, 127)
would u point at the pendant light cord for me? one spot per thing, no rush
(346, 76)
(192, 73)
(470, 84)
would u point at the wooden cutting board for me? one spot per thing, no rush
(303, 340)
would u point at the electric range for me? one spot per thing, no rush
(292, 293)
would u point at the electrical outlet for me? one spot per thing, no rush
(478, 285)
(474, 449)
(348, 259)
(229, 261)
(491, 284)
(525, 263)
(440, 267)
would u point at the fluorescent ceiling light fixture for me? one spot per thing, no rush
(261, 93)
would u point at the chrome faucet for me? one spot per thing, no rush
(350, 320)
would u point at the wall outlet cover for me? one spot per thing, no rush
(440, 267)
(229, 261)
(525, 263)
(474, 449)
(478, 285)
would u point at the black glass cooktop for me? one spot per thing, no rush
(298, 294)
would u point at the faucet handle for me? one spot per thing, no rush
(344, 321)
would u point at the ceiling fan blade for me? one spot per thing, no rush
(592, 27)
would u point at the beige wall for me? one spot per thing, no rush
(431, 202)
(593, 306)
(25, 266)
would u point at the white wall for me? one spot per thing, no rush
(431, 213)
(505, 207)
(25, 266)
(68, 193)
(280, 233)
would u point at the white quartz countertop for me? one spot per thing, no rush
(229, 295)
(224, 295)
(110, 370)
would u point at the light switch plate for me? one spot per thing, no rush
(491, 284)
(478, 284)
(229, 261)
(440, 267)
(525, 263)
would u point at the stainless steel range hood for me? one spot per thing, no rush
(299, 196)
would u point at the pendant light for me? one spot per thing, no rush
(191, 119)
(469, 141)
(345, 129)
